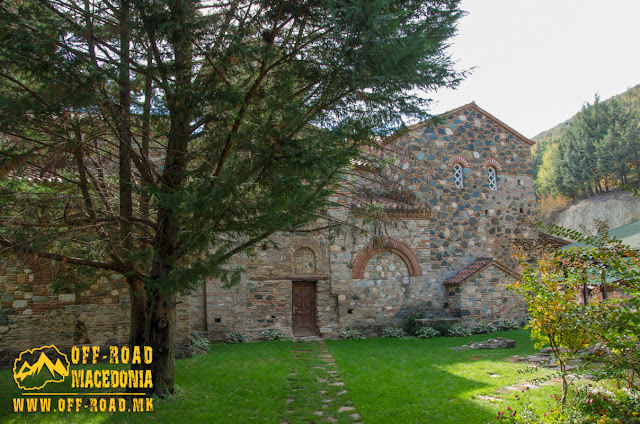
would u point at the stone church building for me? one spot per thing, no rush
(453, 196)
(430, 232)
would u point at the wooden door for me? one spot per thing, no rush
(304, 308)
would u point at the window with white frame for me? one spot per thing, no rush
(492, 179)
(457, 175)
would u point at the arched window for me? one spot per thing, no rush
(492, 178)
(457, 175)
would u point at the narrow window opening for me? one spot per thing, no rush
(349, 311)
(458, 176)
(492, 179)
(218, 320)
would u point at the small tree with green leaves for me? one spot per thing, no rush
(572, 306)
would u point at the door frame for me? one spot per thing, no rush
(314, 306)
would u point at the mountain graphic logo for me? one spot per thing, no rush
(34, 368)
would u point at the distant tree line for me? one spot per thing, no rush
(597, 151)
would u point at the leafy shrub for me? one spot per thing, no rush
(234, 337)
(506, 325)
(441, 327)
(426, 333)
(392, 331)
(352, 334)
(483, 328)
(274, 335)
(410, 326)
(458, 331)
(198, 341)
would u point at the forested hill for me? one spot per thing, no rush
(595, 151)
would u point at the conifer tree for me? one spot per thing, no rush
(181, 133)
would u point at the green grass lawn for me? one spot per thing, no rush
(404, 380)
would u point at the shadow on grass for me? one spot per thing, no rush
(230, 384)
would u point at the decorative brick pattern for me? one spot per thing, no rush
(458, 159)
(491, 163)
(389, 245)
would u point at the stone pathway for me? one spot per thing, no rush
(315, 385)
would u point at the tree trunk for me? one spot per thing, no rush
(160, 335)
(138, 315)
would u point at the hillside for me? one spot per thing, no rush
(617, 208)
(595, 151)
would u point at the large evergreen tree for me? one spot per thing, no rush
(183, 132)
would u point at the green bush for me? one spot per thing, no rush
(198, 341)
(483, 329)
(352, 334)
(392, 331)
(506, 325)
(234, 337)
(441, 327)
(426, 333)
(274, 335)
(458, 331)
(410, 326)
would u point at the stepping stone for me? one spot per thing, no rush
(290, 400)
(355, 416)
(319, 413)
(337, 383)
(488, 398)
(342, 392)
(346, 409)
(321, 380)
(322, 392)
(331, 420)
(495, 376)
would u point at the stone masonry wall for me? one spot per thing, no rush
(485, 298)
(464, 223)
(33, 315)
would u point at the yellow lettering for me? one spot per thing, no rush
(96, 379)
(113, 354)
(88, 382)
(102, 404)
(45, 404)
(148, 354)
(123, 379)
(148, 379)
(124, 354)
(93, 405)
(133, 379)
(136, 355)
(85, 354)
(75, 355)
(96, 354)
(18, 404)
(122, 405)
(149, 404)
(77, 379)
(112, 405)
(78, 404)
(32, 405)
(138, 404)
(115, 381)
(105, 379)
(61, 405)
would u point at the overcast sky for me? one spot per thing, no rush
(538, 61)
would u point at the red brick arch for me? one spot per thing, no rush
(458, 159)
(491, 163)
(386, 245)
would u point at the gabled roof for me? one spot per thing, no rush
(471, 105)
(475, 268)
